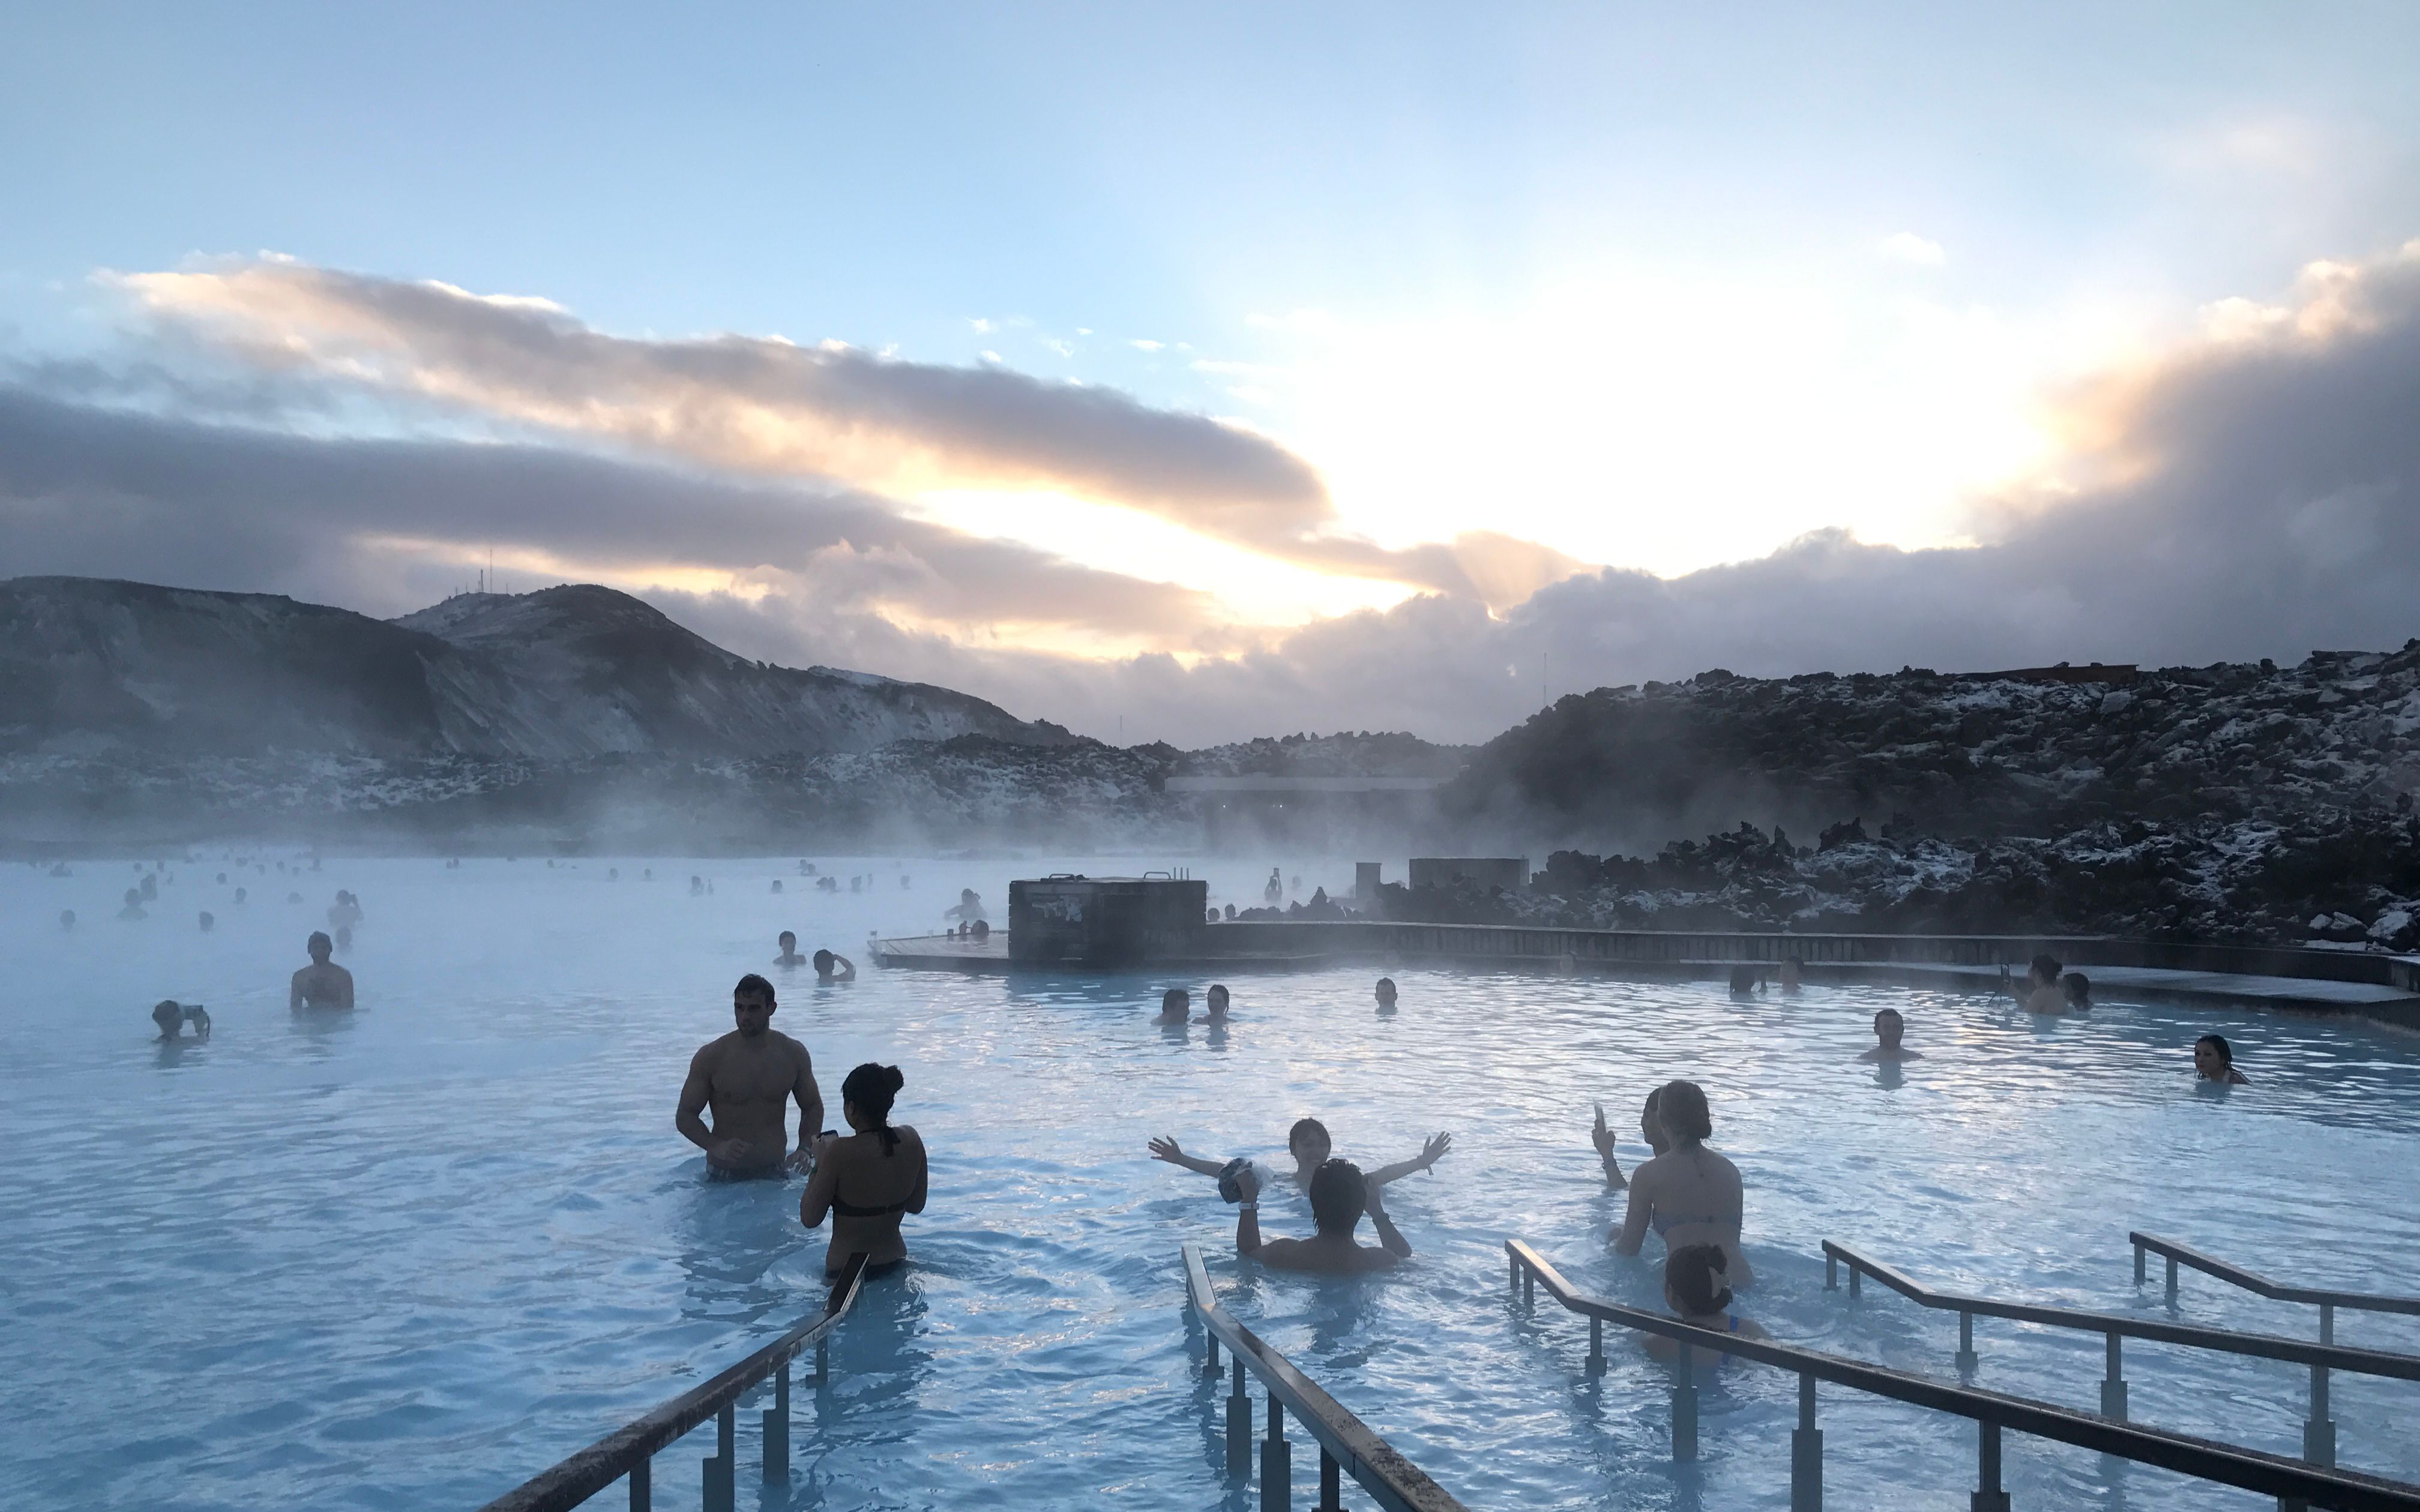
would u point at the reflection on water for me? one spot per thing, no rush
(429, 1246)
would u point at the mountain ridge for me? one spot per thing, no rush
(89, 664)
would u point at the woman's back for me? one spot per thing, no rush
(866, 1187)
(1690, 1196)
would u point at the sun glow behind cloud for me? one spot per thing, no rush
(1649, 421)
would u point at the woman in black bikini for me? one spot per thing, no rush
(880, 1167)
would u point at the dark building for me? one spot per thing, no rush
(1096, 921)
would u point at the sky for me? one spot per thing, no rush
(1199, 373)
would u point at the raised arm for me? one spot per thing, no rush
(811, 1109)
(1388, 1235)
(1247, 1213)
(1165, 1148)
(818, 1199)
(1602, 1137)
(1438, 1144)
(843, 969)
(1634, 1214)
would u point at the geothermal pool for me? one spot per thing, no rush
(407, 1257)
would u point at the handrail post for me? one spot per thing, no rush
(1210, 1360)
(1239, 1426)
(1684, 1407)
(1988, 1495)
(1596, 1346)
(1277, 1461)
(2113, 1387)
(1806, 1453)
(1528, 1288)
(642, 1492)
(2327, 1322)
(2172, 1281)
(1331, 1482)
(719, 1495)
(777, 1428)
(2140, 1254)
(2320, 1433)
(1831, 1272)
(1856, 1281)
(1967, 1359)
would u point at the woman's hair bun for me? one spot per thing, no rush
(892, 1074)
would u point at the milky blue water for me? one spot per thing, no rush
(407, 1257)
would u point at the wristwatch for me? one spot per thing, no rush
(1253, 1206)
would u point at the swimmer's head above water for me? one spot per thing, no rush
(1681, 1111)
(1890, 1027)
(319, 946)
(1386, 991)
(1218, 1001)
(1175, 1006)
(1695, 1282)
(752, 1006)
(1339, 1197)
(2215, 1060)
(1309, 1144)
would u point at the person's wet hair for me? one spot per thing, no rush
(319, 941)
(754, 985)
(1697, 1276)
(1888, 1013)
(169, 1014)
(1682, 1111)
(2078, 987)
(1174, 999)
(785, 939)
(823, 961)
(1743, 981)
(2218, 1043)
(870, 1089)
(1339, 1197)
(2047, 966)
(1303, 1129)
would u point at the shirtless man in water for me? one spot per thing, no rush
(322, 983)
(1338, 1195)
(748, 1078)
(789, 956)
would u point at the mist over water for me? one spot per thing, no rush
(407, 1257)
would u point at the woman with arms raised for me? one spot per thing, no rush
(868, 1177)
(1688, 1194)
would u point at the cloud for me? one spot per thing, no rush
(2253, 494)
(772, 407)
(2254, 491)
(1907, 247)
(389, 526)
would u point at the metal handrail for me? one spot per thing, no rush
(2325, 1298)
(629, 1450)
(1991, 1412)
(1347, 1445)
(2318, 1428)
(2329, 1356)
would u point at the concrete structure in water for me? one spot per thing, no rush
(1096, 921)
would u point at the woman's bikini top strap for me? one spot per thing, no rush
(850, 1209)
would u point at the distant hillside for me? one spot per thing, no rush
(92, 667)
(1956, 756)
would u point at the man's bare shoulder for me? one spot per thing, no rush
(789, 1047)
(712, 1053)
